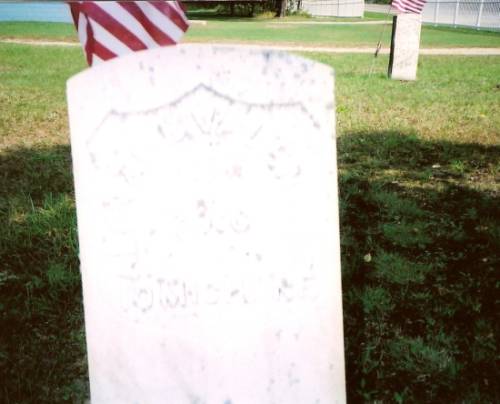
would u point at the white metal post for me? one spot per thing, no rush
(455, 16)
(436, 12)
(479, 15)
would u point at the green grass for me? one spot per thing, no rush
(455, 98)
(273, 31)
(419, 260)
(38, 30)
(42, 352)
(331, 35)
(419, 205)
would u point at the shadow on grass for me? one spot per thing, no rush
(420, 245)
(420, 249)
(42, 357)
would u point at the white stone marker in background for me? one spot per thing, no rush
(208, 224)
(405, 46)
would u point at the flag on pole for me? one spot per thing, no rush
(108, 29)
(409, 6)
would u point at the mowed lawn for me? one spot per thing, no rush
(276, 31)
(419, 174)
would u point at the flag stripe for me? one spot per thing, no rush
(105, 36)
(413, 6)
(82, 28)
(160, 20)
(108, 29)
(172, 14)
(102, 52)
(75, 12)
(87, 37)
(128, 21)
(98, 60)
(159, 36)
(113, 26)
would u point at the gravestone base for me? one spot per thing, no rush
(405, 45)
(206, 193)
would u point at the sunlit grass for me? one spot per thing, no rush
(255, 30)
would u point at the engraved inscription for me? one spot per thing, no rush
(146, 293)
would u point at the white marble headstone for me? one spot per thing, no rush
(208, 225)
(405, 46)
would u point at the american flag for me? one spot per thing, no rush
(409, 6)
(113, 28)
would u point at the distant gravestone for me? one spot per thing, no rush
(405, 46)
(206, 195)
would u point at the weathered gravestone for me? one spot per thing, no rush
(405, 46)
(208, 226)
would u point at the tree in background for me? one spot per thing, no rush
(281, 10)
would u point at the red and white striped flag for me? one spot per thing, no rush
(113, 28)
(409, 6)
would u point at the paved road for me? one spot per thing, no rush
(324, 49)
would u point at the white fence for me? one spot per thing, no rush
(334, 8)
(470, 13)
